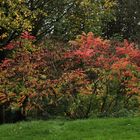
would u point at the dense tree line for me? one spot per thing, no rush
(65, 19)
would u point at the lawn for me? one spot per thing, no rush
(90, 129)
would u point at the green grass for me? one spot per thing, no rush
(91, 129)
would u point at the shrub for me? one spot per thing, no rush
(111, 72)
(92, 77)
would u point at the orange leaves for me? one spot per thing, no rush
(74, 82)
(129, 50)
(85, 53)
(89, 40)
(4, 98)
(88, 46)
(121, 64)
(104, 54)
(73, 75)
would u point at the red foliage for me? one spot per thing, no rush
(26, 35)
(36, 73)
(118, 58)
(28, 75)
(6, 62)
(10, 46)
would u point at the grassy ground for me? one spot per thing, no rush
(95, 129)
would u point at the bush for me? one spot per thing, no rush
(92, 77)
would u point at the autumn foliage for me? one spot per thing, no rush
(116, 59)
(92, 75)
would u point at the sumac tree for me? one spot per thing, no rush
(111, 68)
(91, 76)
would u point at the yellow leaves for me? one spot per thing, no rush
(6, 97)
(43, 77)
(4, 35)
(21, 1)
(27, 25)
(17, 17)
(74, 43)
(85, 3)
(3, 98)
(109, 3)
(86, 90)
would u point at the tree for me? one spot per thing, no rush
(27, 77)
(68, 18)
(85, 16)
(112, 74)
(60, 19)
(57, 17)
(92, 75)
(127, 20)
(14, 18)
